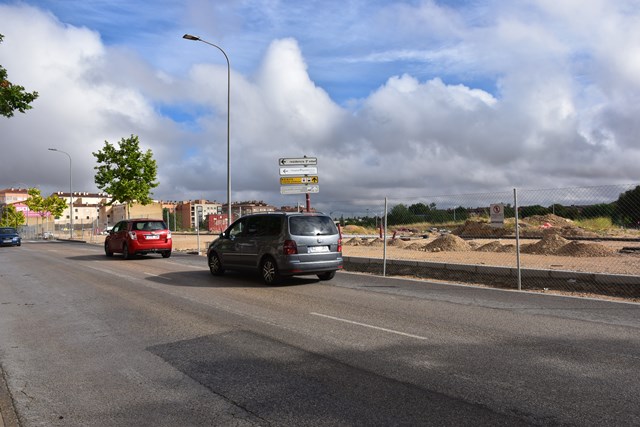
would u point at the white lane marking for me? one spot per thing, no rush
(158, 276)
(370, 326)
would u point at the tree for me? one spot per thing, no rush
(11, 217)
(52, 205)
(627, 208)
(125, 172)
(13, 97)
(400, 214)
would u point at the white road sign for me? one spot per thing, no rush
(299, 189)
(298, 161)
(309, 170)
(497, 215)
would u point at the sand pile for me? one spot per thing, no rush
(356, 241)
(479, 229)
(494, 246)
(375, 242)
(573, 231)
(416, 246)
(582, 249)
(550, 219)
(447, 242)
(398, 243)
(550, 244)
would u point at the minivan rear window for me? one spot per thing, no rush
(312, 226)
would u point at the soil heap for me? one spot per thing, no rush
(550, 244)
(447, 242)
(582, 249)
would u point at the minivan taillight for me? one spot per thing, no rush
(340, 244)
(290, 247)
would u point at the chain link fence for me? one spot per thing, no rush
(582, 240)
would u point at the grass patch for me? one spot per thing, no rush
(600, 224)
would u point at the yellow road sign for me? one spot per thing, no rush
(296, 180)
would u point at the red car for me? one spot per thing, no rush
(139, 236)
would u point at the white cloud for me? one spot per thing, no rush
(560, 106)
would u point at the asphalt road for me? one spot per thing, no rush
(90, 340)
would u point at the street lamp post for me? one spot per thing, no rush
(70, 191)
(190, 37)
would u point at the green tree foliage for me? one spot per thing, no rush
(11, 217)
(125, 172)
(526, 211)
(13, 97)
(52, 205)
(400, 214)
(627, 208)
(602, 210)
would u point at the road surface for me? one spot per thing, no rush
(91, 340)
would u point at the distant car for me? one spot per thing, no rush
(279, 244)
(133, 237)
(9, 237)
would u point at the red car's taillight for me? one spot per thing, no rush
(290, 247)
(133, 235)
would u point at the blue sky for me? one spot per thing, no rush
(391, 96)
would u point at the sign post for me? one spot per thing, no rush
(299, 175)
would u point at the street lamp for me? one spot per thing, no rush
(70, 191)
(190, 37)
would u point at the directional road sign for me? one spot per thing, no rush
(308, 170)
(299, 189)
(292, 180)
(298, 161)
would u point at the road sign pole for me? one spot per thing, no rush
(308, 202)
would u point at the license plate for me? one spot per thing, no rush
(152, 237)
(317, 249)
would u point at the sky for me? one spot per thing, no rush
(397, 99)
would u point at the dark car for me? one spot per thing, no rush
(133, 237)
(9, 237)
(279, 244)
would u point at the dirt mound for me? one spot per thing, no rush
(356, 241)
(398, 243)
(479, 229)
(447, 242)
(582, 249)
(374, 242)
(490, 247)
(416, 246)
(550, 244)
(573, 231)
(548, 220)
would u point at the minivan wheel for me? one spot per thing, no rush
(269, 271)
(215, 266)
(106, 249)
(327, 276)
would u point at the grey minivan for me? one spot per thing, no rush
(279, 244)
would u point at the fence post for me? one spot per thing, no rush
(515, 206)
(384, 246)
